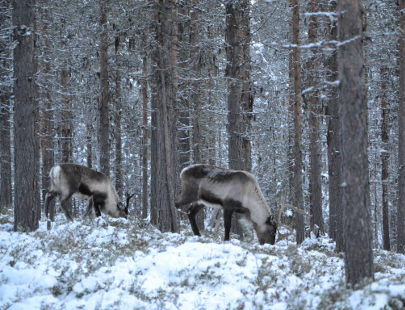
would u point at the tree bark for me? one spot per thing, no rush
(297, 150)
(5, 154)
(401, 125)
(334, 143)
(5, 108)
(247, 98)
(47, 128)
(104, 122)
(26, 203)
(291, 185)
(196, 98)
(117, 121)
(385, 157)
(66, 126)
(233, 53)
(89, 143)
(164, 97)
(144, 138)
(316, 221)
(195, 89)
(352, 102)
(240, 100)
(118, 135)
(185, 102)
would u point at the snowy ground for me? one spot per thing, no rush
(127, 264)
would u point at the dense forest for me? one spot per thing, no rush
(308, 96)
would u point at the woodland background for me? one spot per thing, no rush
(141, 89)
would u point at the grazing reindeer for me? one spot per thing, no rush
(234, 191)
(86, 184)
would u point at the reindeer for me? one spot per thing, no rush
(85, 184)
(234, 191)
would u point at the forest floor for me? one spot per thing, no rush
(107, 263)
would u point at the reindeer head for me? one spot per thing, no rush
(123, 211)
(267, 233)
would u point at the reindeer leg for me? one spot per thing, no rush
(52, 212)
(98, 201)
(228, 211)
(64, 205)
(48, 198)
(97, 209)
(192, 212)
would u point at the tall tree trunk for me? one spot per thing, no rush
(352, 102)
(385, 157)
(104, 121)
(211, 69)
(37, 194)
(376, 203)
(117, 121)
(291, 185)
(195, 55)
(26, 203)
(47, 147)
(67, 118)
(240, 102)
(5, 109)
(297, 150)
(247, 98)
(89, 143)
(234, 126)
(196, 97)
(90, 131)
(184, 107)
(144, 138)
(334, 143)
(314, 124)
(5, 147)
(154, 190)
(47, 130)
(401, 125)
(365, 76)
(66, 128)
(164, 97)
(118, 135)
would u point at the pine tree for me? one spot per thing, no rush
(401, 123)
(104, 120)
(352, 102)
(314, 124)
(26, 144)
(164, 98)
(297, 149)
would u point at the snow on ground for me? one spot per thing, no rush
(127, 264)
